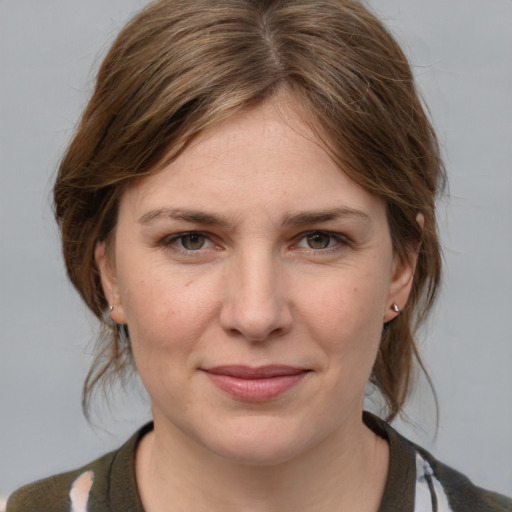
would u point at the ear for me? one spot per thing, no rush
(109, 282)
(402, 277)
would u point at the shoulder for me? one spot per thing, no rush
(459, 492)
(108, 483)
(418, 481)
(63, 492)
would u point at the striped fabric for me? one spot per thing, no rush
(430, 495)
(416, 482)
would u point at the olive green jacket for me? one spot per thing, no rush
(416, 482)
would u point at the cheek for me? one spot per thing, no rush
(165, 311)
(345, 321)
(348, 306)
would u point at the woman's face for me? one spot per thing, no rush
(254, 277)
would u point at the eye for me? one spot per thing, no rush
(320, 240)
(191, 241)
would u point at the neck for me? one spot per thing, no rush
(343, 473)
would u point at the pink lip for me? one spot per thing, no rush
(255, 384)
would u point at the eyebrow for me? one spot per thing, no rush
(192, 216)
(315, 217)
(300, 218)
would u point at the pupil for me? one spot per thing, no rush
(318, 241)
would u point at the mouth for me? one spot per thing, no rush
(255, 384)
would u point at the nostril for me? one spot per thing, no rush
(254, 306)
(257, 334)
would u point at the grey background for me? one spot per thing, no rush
(461, 51)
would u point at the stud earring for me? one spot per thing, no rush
(395, 307)
(106, 315)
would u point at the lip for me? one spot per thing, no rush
(255, 384)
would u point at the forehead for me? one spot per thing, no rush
(264, 159)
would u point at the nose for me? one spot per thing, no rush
(256, 306)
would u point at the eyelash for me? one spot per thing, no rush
(336, 242)
(173, 242)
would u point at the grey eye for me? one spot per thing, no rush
(192, 241)
(318, 240)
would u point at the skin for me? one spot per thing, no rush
(290, 262)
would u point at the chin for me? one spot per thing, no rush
(259, 443)
(258, 454)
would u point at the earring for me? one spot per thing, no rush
(106, 315)
(395, 307)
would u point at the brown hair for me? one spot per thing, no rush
(179, 67)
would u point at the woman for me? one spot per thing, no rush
(249, 206)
